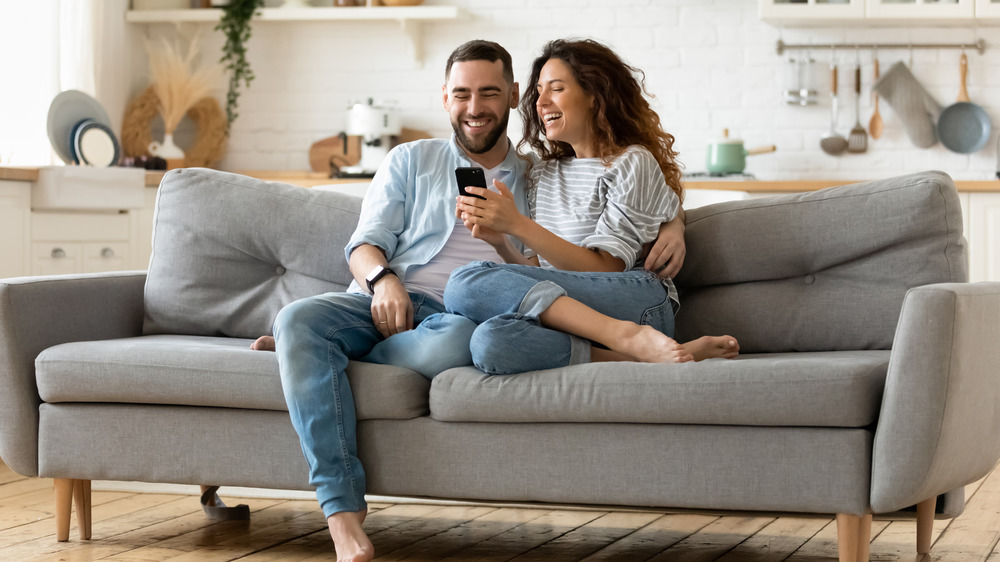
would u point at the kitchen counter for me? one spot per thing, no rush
(30, 173)
(310, 179)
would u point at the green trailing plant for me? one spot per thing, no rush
(235, 25)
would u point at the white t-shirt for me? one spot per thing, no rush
(460, 249)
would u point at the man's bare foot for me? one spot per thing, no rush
(351, 542)
(649, 345)
(263, 343)
(713, 347)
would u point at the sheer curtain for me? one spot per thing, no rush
(48, 46)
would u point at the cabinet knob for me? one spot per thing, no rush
(58, 253)
(107, 253)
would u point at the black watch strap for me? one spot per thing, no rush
(375, 278)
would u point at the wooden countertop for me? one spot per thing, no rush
(311, 179)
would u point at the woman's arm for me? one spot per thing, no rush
(499, 213)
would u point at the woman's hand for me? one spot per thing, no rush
(666, 256)
(493, 238)
(497, 213)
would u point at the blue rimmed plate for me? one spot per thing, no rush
(94, 144)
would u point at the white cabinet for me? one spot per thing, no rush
(988, 9)
(65, 242)
(921, 9)
(141, 239)
(983, 227)
(15, 214)
(780, 11)
(874, 12)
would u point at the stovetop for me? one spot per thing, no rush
(717, 176)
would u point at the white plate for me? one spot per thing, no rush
(67, 110)
(95, 145)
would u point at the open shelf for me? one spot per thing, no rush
(409, 18)
(423, 13)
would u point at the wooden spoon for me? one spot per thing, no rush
(875, 126)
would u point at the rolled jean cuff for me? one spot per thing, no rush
(333, 506)
(539, 298)
(579, 351)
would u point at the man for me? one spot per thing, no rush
(407, 242)
(407, 231)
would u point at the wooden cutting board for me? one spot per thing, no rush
(331, 149)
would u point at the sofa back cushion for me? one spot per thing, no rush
(819, 271)
(230, 251)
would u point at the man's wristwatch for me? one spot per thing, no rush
(376, 274)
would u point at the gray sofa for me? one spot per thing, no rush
(867, 381)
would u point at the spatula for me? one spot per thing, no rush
(876, 126)
(832, 143)
(857, 140)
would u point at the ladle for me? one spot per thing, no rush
(832, 143)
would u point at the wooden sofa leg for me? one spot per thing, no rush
(925, 524)
(81, 497)
(854, 535)
(67, 492)
(64, 503)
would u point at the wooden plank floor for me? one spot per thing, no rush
(155, 527)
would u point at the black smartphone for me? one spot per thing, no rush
(470, 177)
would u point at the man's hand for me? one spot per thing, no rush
(392, 310)
(666, 256)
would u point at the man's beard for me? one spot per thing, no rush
(489, 140)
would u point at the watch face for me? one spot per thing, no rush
(375, 273)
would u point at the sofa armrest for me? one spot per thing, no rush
(39, 312)
(939, 427)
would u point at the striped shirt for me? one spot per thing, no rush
(617, 209)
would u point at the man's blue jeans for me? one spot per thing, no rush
(506, 301)
(315, 338)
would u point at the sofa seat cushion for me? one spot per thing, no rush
(207, 371)
(820, 389)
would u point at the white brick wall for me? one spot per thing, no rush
(710, 64)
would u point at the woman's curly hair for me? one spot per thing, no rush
(622, 115)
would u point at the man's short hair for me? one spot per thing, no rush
(479, 49)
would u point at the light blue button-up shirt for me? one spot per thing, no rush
(409, 208)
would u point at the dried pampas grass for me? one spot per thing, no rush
(178, 80)
(210, 143)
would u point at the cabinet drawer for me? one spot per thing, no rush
(79, 227)
(105, 256)
(55, 258)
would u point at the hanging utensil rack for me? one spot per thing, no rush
(979, 45)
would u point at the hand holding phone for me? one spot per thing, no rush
(470, 177)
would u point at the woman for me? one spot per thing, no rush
(605, 180)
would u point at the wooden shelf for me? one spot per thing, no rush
(409, 18)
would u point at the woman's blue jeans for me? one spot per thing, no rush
(506, 301)
(315, 338)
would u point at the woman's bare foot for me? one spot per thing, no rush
(263, 343)
(649, 345)
(350, 541)
(713, 347)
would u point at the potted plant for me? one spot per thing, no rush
(235, 25)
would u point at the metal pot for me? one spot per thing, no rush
(728, 156)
